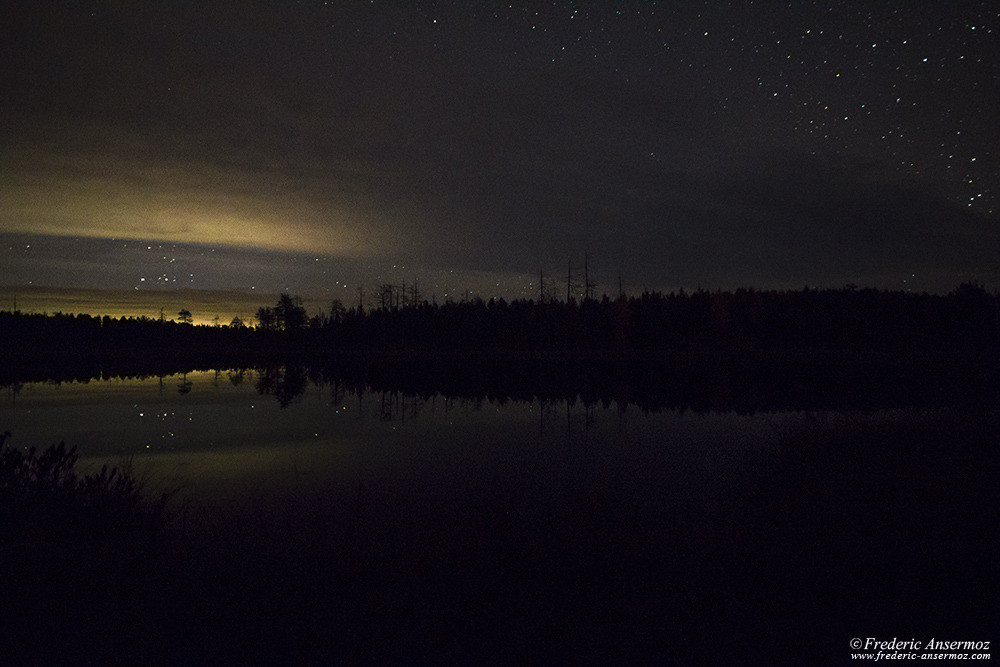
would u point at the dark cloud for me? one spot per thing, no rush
(679, 144)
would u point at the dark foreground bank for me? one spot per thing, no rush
(856, 528)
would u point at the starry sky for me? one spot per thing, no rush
(249, 148)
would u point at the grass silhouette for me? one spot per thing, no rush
(75, 552)
(43, 498)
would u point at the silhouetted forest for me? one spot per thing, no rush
(966, 320)
(745, 350)
(746, 319)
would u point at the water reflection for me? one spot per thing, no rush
(422, 517)
(743, 383)
(250, 428)
(285, 383)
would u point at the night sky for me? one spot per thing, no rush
(318, 147)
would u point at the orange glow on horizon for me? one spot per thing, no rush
(204, 305)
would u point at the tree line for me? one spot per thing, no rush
(746, 319)
(965, 320)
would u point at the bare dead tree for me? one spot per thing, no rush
(544, 293)
(386, 295)
(571, 284)
(589, 288)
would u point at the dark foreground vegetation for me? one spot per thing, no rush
(854, 527)
(75, 550)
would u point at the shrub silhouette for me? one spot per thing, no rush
(72, 547)
(42, 498)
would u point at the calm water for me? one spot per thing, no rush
(316, 522)
(226, 438)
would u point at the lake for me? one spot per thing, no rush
(224, 437)
(317, 518)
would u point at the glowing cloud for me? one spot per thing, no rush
(107, 196)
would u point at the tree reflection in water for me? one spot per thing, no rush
(506, 512)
